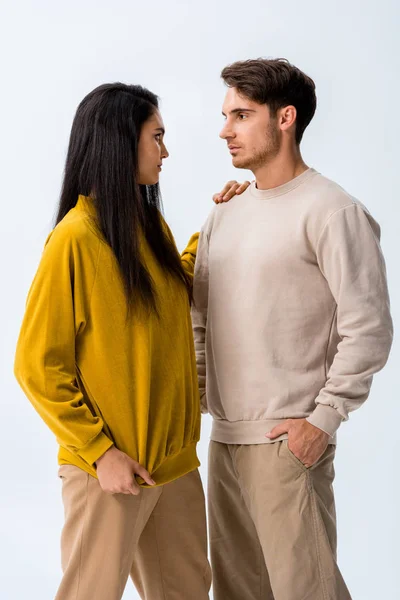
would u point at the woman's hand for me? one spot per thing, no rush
(232, 188)
(116, 473)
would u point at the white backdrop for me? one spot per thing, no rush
(53, 53)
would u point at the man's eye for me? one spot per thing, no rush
(242, 116)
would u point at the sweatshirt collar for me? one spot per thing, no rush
(281, 189)
(86, 204)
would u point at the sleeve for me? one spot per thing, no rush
(55, 317)
(351, 260)
(199, 314)
(188, 256)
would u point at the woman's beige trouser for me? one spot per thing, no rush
(159, 538)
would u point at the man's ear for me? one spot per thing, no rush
(287, 117)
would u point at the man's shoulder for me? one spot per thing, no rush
(325, 202)
(234, 208)
(210, 221)
(327, 196)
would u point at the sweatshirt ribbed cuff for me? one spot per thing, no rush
(326, 418)
(95, 448)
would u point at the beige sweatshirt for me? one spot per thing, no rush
(291, 316)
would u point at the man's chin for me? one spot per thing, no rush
(240, 163)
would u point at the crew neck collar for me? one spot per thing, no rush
(281, 189)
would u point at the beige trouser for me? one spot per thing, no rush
(272, 525)
(159, 538)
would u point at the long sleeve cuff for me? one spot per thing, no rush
(326, 418)
(95, 448)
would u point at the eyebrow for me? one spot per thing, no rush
(161, 129)
(239, 110)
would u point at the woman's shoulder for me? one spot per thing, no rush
(76, 230)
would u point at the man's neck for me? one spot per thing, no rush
(280, 170)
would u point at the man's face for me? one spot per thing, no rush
(252, 134)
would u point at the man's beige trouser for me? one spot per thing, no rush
(159, 538)
(272, 525)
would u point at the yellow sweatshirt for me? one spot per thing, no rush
(98, 379)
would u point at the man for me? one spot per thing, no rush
(291, 321)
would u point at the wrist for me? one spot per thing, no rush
(95, 447)
(99, 460)
(326, 418)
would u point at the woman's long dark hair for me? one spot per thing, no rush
(102, 161)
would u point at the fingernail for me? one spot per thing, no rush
(267, 435)
(225, 197)
(152, 482)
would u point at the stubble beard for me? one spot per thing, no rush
(262, 156)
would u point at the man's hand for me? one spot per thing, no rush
(305, 441)
(116, 473)
(232, 188)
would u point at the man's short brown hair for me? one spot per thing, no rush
(277, 83)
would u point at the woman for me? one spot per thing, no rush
(106, 357)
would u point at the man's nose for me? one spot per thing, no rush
(226, 132)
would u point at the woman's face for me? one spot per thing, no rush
(151, 149)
